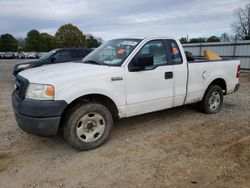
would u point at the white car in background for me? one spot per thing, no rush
(20, 55)
(32, 55)
(1, 54)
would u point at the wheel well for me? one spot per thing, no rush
(220, 82)
(102, 99)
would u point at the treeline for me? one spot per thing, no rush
(67, 36)
(223, 38)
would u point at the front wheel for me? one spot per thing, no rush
(88, 126)
(212, 100)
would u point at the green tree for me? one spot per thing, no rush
(183, 40)
(70, 36)
(39, 42)
(92, 42)
(20, 43)
(33, 41)
(47, 42)
(213, 39)
(197, 40)
(8, 43)
(247, 37)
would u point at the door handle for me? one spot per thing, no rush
(168, 75)
(118, 78)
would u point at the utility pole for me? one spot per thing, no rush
(248, 20)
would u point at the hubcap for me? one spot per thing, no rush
(214, 101)
(90, 127)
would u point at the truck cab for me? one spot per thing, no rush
(121, 78)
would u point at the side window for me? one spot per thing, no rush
(157, 50)
(175, 52)
(62, 56)
(76, 54)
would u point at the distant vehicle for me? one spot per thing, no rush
(9, 55)
(32, 55)
(1, 55)
(20, 55)
(60, 55)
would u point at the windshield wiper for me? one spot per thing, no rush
(93, 62)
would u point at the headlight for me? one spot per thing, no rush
(40, 92)
(22, 66)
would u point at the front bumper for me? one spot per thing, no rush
(38, 117)
(38, 126)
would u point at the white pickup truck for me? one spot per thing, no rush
(121, 78)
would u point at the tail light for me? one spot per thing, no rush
(238, 72)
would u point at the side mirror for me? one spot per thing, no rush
(140, 62)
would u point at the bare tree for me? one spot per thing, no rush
(225, 37)
(242, 26)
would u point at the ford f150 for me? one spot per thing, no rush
(121, 78)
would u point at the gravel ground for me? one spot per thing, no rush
(180, 147)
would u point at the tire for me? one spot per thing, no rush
(88, 126)
(212, 101)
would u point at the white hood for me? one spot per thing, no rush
(51, 74)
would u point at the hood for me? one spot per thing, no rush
(52, 74)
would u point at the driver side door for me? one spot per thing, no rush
(150, 89)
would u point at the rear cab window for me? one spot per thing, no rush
(174, 52)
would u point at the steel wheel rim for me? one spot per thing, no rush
(90, 127)
(214, 101)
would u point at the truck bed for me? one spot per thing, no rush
(201, 73)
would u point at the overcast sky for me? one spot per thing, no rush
(120, 18)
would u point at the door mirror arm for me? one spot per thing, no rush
(133, 68)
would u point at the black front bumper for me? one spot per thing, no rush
(38, 126)
(38, 117)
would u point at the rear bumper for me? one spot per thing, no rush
(38, 117)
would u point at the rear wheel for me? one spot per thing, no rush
(88, 126)
(212, 100)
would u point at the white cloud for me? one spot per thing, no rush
(44, 10)
(111, 18)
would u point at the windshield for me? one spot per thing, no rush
(47, 55)
(113, 52)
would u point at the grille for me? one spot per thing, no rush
(21, 87)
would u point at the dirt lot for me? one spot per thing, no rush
(180, 147)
